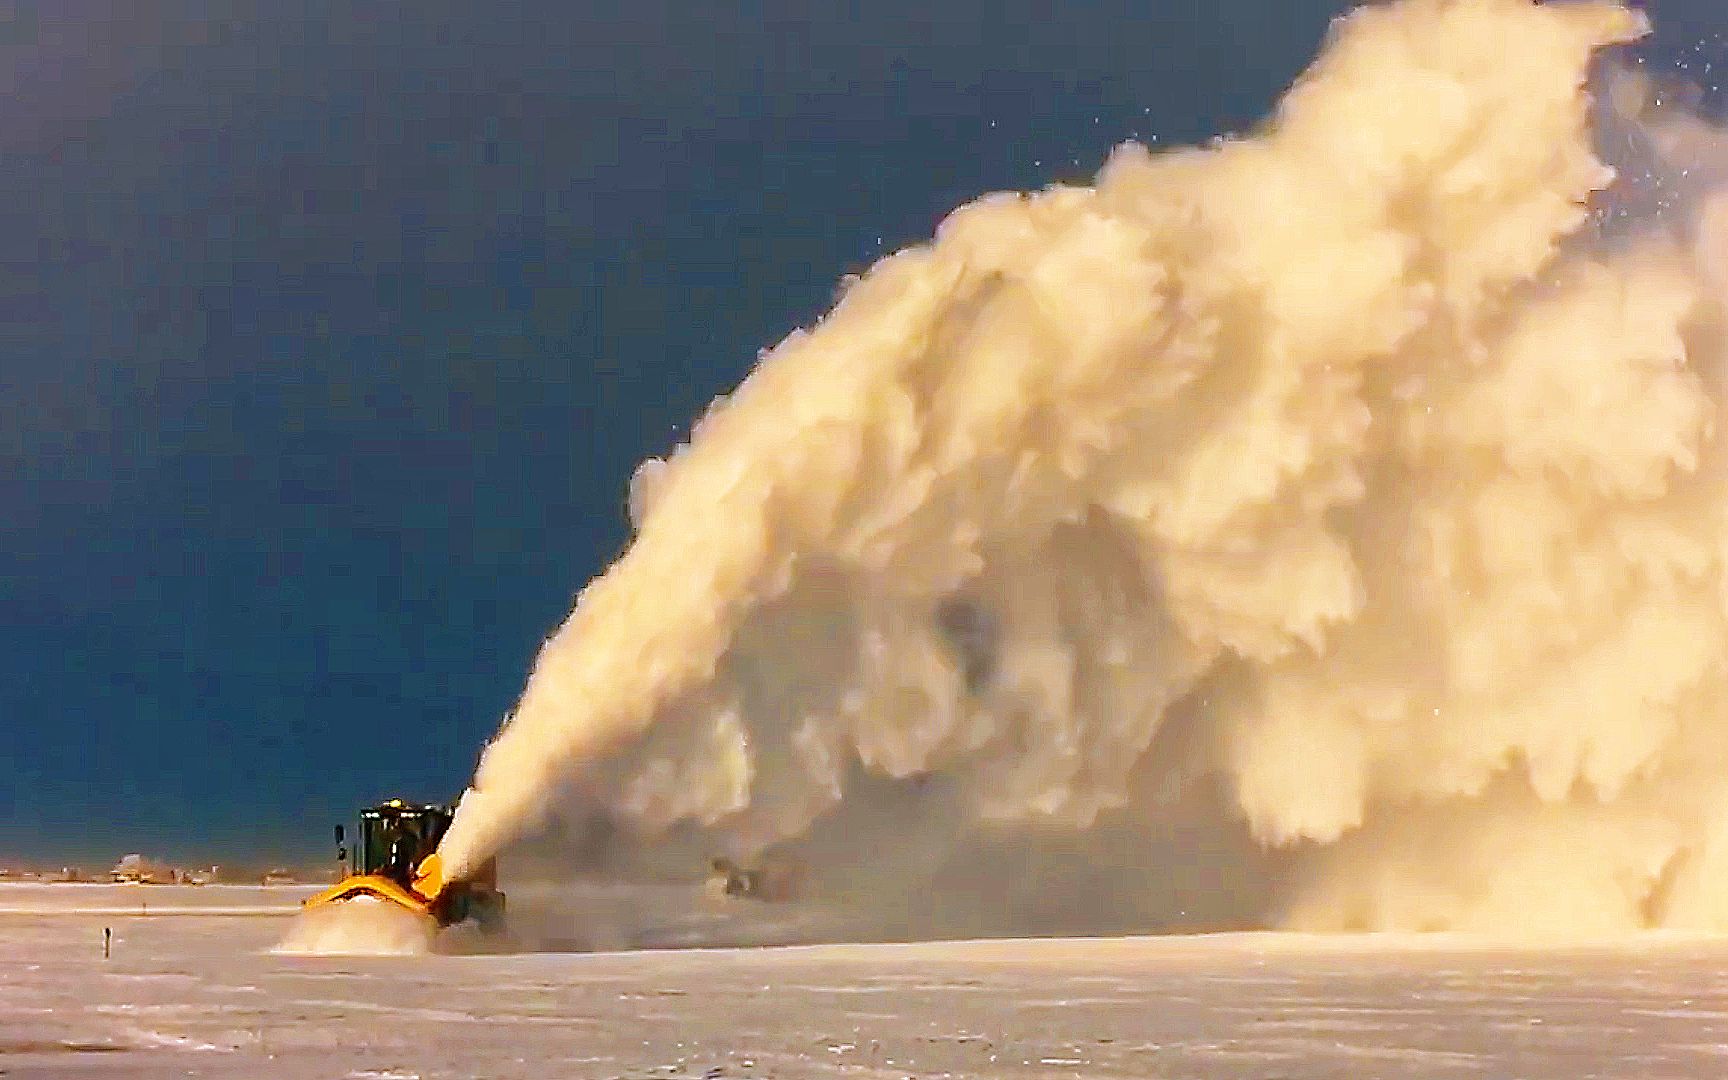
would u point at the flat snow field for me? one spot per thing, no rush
(192, 990)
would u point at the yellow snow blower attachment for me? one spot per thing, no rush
(396, 860)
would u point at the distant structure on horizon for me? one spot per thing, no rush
(136, 869)
(64, 874)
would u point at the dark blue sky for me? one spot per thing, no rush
(330, 333)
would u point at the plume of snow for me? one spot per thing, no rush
(1377, 447)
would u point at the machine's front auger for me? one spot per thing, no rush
(376, 886)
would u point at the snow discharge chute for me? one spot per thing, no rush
(1367, 470)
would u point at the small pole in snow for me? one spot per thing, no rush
(107, 940)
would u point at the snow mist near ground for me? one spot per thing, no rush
(363, 926)
(1356, 487)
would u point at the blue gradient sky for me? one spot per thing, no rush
(331, 332)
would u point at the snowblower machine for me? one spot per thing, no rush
(396, 860)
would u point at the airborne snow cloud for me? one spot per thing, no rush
(1365, 473)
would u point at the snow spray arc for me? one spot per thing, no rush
(1364, 423)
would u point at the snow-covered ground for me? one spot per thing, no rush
(91, 898)
(201, 994)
